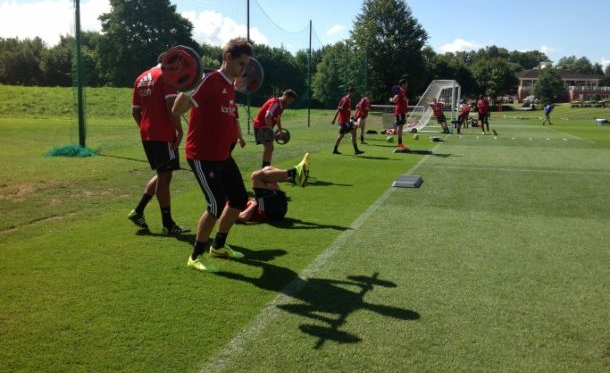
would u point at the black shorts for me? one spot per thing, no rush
(346, 127)
(483, 117)
(272, 202)
(441, 119)
(401, 119)
(220, 182)
(264, 135)
(160, 156)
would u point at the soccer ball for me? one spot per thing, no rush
(415, 136)
(390, 139)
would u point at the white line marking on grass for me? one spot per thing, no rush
(600, 173)
(221, 361)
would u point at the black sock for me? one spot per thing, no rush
(400, 140)
(361, 138)
(265, 164)
(219, 240)
(336, 148)
(199, 248)
(292, 172)
(166, 216)
(355, 147)
(143, 202)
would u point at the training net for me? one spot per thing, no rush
(420, 117)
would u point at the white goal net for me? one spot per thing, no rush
(420, 118)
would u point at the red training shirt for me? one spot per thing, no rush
(273, 106)
(345, 109)
(401, 105)
(437, 108)
(212, 125)
(482, 106)
(149, 95)
(364, 105)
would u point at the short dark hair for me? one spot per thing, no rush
(351, 89)
(402, 81)
(161, 55)
(290, 93)
(238, 47)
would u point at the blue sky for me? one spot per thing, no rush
(556, 27)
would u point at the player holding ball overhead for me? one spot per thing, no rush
(213, 131)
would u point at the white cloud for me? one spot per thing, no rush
(334, 30)
(605, 62)
(48, 19)
(213, 28)
(460, 45)
(548, 50)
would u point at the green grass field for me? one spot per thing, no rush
(499, 262)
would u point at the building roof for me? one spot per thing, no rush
(564, 74)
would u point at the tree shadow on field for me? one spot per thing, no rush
(325, 303)
(291, 223)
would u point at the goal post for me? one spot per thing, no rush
(446, 91)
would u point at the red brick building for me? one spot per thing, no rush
(578, 86)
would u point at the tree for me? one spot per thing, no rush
(20, 61)
(392, 39)
(135, 33)
(56, 63)
(495, 76)
(527, 60)
(582, 65)
(548, 87)
(328, 85)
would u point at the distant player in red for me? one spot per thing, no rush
(161, 134)
(270, 115)
(439, 114)
(463, 116)
(213, 131)
(483, 109)
(269, 202)
(400, 110)
(344, 109)
(362, 112)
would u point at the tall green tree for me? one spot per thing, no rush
(527, 60)
(135, 33)
(582, 65)
(495, 76)
(549, 86)
(392, 39)
(328, 83)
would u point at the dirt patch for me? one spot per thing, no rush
(19, 191)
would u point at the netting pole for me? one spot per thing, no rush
(248, 37)
(79, 77)
(309, 79)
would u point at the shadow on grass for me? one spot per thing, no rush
(290, 223)
(326, 303)
(312, 181)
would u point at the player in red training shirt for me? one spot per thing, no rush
(161, 134)
(269, 202)
(213, 131)
(344, 109)
(362, 112)
(439, 114)
(463, 115)
(400, 110)
(483, 109)
(270, 115)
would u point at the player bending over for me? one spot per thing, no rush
(268, 116)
